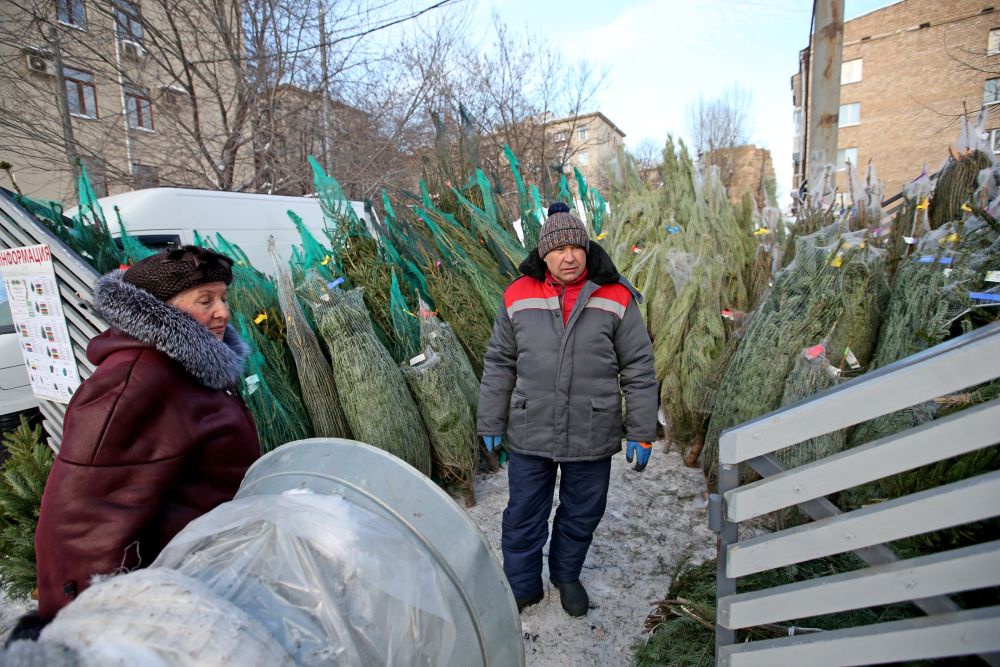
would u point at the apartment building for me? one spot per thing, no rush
(141, 93)
(910, 72)
(588, 142)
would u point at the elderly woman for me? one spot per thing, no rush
(158, 435)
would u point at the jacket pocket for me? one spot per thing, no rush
(605, 418)
(517, 419)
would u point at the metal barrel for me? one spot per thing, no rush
(480, 600)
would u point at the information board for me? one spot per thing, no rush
(39, 323)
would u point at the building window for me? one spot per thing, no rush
(71, 12)
(138, 109)
(850, 114)
(128, 23)
(80, 92)
(993, 42)
(991, 91)
(583, 158)
(581, 134)
(850, 71)
(994, 139)
(560, 136)
(145, 176)
(845, 155)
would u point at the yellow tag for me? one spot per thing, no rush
(861, 245)
(601, 236)
(260, 318)
(326, 260)
(837, 262)
(762, 231)
(952, 238)
(923, 204)
(966, 207)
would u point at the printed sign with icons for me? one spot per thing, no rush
(37, 311)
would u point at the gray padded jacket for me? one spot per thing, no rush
(555, 391)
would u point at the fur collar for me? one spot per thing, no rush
(600, 268)
(215, 363)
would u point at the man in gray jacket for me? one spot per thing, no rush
(567, 343)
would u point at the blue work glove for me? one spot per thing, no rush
(492, 442)
(641, 451)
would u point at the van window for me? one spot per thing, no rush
(154, 241)
(6, 319)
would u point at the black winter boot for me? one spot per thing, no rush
(573, 597)
(527, 602)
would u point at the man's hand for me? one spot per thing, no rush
(641, 451)
(492, 442)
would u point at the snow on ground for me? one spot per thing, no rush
(655, 520)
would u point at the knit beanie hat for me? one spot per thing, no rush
(561, 228)
(169, 272)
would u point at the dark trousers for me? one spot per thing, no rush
(583, 495)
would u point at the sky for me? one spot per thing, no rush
(659, 56)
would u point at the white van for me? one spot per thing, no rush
(162, 217)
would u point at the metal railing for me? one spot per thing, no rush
(75, 278)
(927, 581)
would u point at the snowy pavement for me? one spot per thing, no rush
(655, 520)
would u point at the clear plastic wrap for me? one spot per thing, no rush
(334, 583)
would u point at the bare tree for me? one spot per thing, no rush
(723, 122)
(213, 93)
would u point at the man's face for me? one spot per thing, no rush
(566, 263)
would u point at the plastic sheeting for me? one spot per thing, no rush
(331, 581)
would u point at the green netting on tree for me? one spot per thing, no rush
(343, 222)
(486, 287)
(86, 233)
(253, 299)
(531, 223)
(319, 389)
(405, 327)
(398, 236)
(378, 405)
(276, 424)
(564, 195)
(446, 391)
(458, 304)
(361, 265)
(132, 248)
(314, 255)
(593, 203)
(506, 249)
(813, 299)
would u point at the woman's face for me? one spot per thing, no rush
(207, 304)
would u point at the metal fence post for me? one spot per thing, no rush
(729, 478)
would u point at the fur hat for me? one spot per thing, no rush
(561, 228)
(170, 272)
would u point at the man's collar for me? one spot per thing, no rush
(551, 280)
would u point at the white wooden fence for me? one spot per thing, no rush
(946, 629)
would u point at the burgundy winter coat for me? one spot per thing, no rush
(151, 441)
